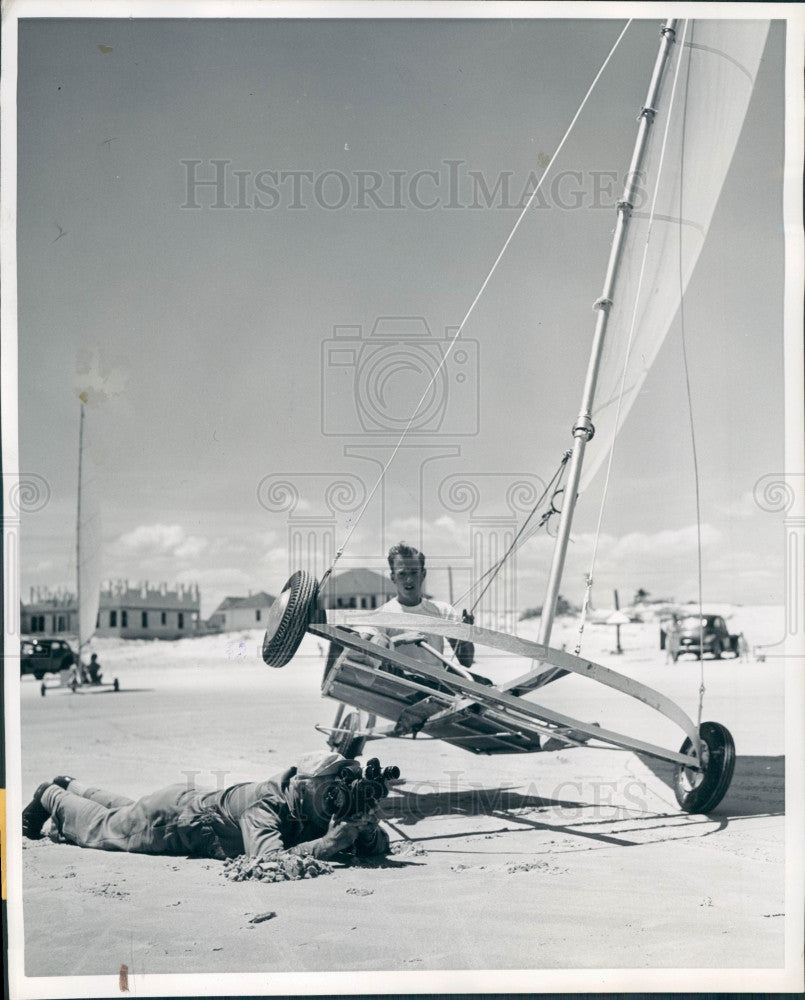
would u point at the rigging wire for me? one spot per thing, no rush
(520, 537)
(457, 334)
(692, 426)
(632, 325)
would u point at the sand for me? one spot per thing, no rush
(573, 860)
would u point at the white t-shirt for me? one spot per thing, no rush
(431, 608)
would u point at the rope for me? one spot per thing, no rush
(457, 334)
(632, 326)
(518, 540)
(692, 435)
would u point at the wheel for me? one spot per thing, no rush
(43, 690)
(717, 650)
(288, 619)
(116, 684)
(39, 675)
(346, 743)
(701, 791)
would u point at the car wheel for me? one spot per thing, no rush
(39, 674)
(288, 619)
(716, 650)
(701, 791)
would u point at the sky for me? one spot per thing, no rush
(241, 237)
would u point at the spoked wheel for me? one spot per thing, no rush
(288, 619)
(701, 791)
(346, 742)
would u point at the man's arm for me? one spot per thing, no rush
(362, 831)
(262, 834)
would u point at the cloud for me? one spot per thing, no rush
(159, 541)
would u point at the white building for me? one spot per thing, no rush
(235, 613)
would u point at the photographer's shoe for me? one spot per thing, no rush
(34, 815)
(63, 780)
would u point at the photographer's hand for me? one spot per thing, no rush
(340, 836)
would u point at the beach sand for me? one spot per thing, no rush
(576, 859)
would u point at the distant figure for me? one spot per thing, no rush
(94, 669)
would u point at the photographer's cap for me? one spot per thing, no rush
(322, 765)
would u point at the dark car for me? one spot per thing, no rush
(696, 634)
(45, 656)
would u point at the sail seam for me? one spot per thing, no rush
(723, 55)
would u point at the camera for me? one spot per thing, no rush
(374, 384)
(355, 794)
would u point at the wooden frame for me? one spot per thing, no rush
(477, 717)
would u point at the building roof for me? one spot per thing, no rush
(259, 600)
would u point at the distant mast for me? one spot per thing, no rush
(81, 639)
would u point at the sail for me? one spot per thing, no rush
(705, 94)
(89, 537)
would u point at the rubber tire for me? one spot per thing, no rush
(39, 675)
(705, 796)
(288, 619)
(346, 744)
(716, 650)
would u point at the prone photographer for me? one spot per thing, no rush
(291, 812)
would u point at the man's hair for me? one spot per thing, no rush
(405, 552)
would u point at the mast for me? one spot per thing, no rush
(78, 529)
(583, 428)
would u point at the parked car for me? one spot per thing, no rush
(686, 634)
(45, 656)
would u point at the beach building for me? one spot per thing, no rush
(357, 588)
(141, 612)
(240, 612)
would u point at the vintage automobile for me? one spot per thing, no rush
(696, 635)
(45, 656)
